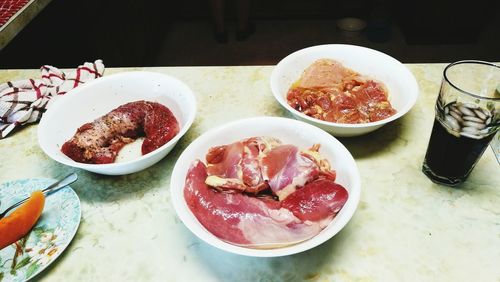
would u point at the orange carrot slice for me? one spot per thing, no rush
(16, 225)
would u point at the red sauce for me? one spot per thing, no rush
(345, 98)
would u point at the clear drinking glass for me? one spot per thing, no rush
(467, 118)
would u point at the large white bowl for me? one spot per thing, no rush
(289, 131)
(96, 98)
(400, 82)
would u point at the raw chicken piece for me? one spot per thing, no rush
(236, 167)
(256, 164)
(286, 168)
(324, 73)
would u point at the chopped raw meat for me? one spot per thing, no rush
(329, 91)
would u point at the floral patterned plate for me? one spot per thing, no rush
(49, 237)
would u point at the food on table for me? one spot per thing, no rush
(99, 142)
(16, 225)
(261, 193)
(331, 92)
(316, 200)
(259, 163)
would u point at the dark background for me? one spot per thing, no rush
(179, 33)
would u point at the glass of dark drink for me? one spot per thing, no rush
(467, 118)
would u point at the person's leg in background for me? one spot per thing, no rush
(220, 33)
(244, 27)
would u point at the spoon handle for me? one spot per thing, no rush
(70, 178)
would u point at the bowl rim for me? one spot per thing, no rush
(177, 182)
(191, 115)
(297, 54)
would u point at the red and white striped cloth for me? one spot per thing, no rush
(25, 101)
(8, 8)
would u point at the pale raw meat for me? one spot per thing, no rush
(286, 168)
(236, 166)
(227, 165)
(258, 163)
(324, 73)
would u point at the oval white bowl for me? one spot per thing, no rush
(289, 131)
(400, 82)
(96, 98)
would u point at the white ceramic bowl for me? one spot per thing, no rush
(96, 98)
(289, 131)
(400, 82)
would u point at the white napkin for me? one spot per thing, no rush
(25, 101)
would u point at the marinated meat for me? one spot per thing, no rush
(99, 142)
(328, 91)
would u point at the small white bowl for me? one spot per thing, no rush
(400, 82)
(289, 131)
(96, 98)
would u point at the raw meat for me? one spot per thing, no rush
(286, 168)
(329, 91)
(243, 220)
(316, 200)
(260, 193)
(258, 163)
(99, 142)
(236, 167)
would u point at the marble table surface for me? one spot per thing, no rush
(406, 228)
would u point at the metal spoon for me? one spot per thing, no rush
(70, 178)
